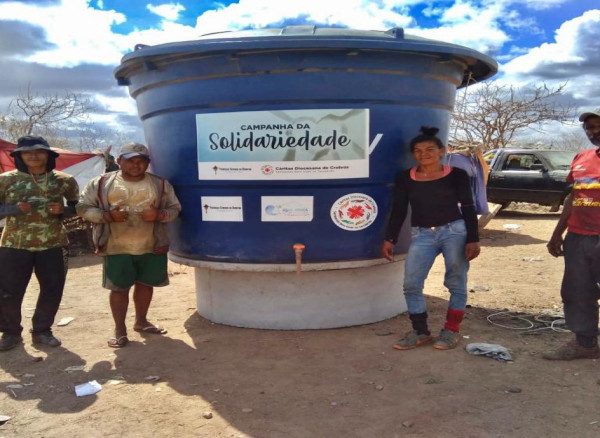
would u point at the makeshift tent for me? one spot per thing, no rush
(83, 166)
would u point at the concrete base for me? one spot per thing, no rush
(313, 299)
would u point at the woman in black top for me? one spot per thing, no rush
(443, 220)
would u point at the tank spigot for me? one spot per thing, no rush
(298, 249)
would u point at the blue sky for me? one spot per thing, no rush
(53, 45)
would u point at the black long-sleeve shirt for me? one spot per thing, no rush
(433, 203)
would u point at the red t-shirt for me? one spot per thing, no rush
(585, 176)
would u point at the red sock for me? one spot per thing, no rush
(453, 319)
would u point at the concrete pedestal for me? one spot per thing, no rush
(326, 295)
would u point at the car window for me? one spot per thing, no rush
(561, 159)
(520, 161)
(489, 156)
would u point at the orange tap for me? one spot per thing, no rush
(298, 249)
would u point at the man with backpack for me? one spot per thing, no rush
(130, 209)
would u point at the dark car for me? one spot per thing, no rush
(529, 175)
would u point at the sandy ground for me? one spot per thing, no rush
(319, 383)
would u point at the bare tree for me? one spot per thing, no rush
(33, 112)
(491, 114)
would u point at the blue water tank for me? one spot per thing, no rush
(280, 136)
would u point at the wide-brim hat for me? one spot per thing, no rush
(33, 143)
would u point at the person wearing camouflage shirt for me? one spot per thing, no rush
(32, 199)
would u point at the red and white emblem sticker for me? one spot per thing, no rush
(354, 212)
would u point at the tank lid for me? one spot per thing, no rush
(479, 66)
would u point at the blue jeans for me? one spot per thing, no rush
(426, 244)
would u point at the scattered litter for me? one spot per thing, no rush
(114, 382)
(4, 419)
(89, 388)
(207, 415)
(28, 376)
(247, 410)
(407, 423)
(27, 384)
(152, 378)
(594, 422)
(383, 332)
(378, 387)
(466, 337)
(333, 403)
(514, 390)
(532, 259)
(75, 368)
(15, 386)
(433, 381)
(159, 389)
(494, 351)
(216, 390)
(65, 321)
(511, 226)
(476, 288)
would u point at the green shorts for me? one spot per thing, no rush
(121, 271)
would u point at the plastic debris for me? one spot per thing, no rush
(152, 378)
(65, 321)
(511, 226)
(532, 259)
(89, 388)
(495, 351)
(4, 419)
(15, 386)
(75, 368)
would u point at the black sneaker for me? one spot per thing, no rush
(8, 341)
(45, 338)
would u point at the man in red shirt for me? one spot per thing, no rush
(580, 290)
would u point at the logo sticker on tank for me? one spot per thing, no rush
(354, 212)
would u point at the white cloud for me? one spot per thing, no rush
(482, 25)
(575, 43)
(357, 14)
(168, 11)
(469, 25)
(87, 39)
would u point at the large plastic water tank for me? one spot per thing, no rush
(278, 137)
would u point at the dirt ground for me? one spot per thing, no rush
(315, 383)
